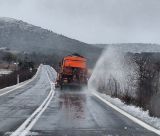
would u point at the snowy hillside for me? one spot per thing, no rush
(23, 37)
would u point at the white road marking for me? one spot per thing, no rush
(134, 119)
(24, 129)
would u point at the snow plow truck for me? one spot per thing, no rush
(72, 72)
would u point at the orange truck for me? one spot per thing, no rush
(72, 71)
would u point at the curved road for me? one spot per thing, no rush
(70, 112)
(18, 105)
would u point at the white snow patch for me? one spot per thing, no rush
(5, 72)
(134, 111)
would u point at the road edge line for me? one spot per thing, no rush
(32, 123)
(134, 119)
(24, 128)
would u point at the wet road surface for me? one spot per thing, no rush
(17, 106)
(78, 113)
(70, 113)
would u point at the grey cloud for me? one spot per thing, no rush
(93, 21)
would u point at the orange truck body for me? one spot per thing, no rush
(75, 61)
(73, 71)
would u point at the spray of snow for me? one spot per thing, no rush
(115, 74)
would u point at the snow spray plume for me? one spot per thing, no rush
(115, 74)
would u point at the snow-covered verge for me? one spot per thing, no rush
(21, 84)
(133, 110)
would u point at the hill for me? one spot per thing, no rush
(23, 37)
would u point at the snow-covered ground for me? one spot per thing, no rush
(5, 71)
(134, 111)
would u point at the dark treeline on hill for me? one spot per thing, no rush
(34, 58)
(38, 58)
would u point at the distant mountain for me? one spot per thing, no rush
(132, 47)
(23, 37)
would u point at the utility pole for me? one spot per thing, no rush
(16, 64)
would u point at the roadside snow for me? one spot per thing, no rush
(134, 111)
(5, 72)
(14, 87)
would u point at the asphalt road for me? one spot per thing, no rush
(18, 105)
(70, 113)
(77, 113)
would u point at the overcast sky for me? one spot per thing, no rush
(91, 21)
